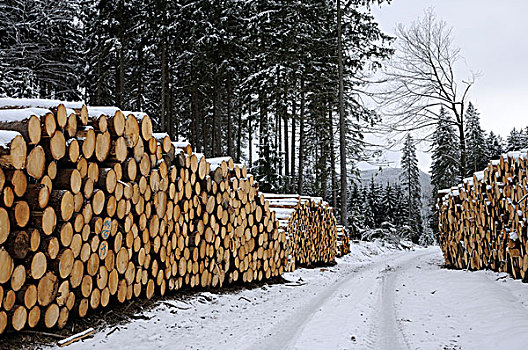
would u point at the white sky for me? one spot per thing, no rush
(492, 36)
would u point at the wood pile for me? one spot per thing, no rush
(483, 221)
(96, 209)
(343, 241)
(310, 228)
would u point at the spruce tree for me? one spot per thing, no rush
(515, 140)
(390, 204)
(495, 146)
(476, 146)
(411, 187)
(444, 168)
(399, 212)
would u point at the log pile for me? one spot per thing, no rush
(97, 209)
(343, 241)
(310, 228)
(483, 221)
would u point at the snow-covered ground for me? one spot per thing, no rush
(373, 298)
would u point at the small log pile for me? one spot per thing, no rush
(310, 228)
(343, 241)
(483, 222)
(97, 209)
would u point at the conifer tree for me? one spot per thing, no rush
(389, 203)
(400, 209)
(515, 140)
(476, 148)
(495, 146)
(444, 168)
(411, 187)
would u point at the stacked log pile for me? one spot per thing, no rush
(343, 241)
(310, 228)
(96, 209)
(483, 221)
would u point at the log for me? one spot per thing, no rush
(39, 265)
(5, 225)
(36, 162)
(87, 139)
(18, 245)
(26, 121)
(7, 264)
(19, 318)
(13, 150)
(103, 143)
(57, 145)
(63, 203)
(47, 220)
(21, 213)
(131, 130)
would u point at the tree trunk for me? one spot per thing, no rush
(286, 144)
(172, 126)
(250, 135)
(301, 142)
(121, 89)
(139, 78)
(332, 157)
(230, 148)
(164, 71)
(278, 143)
(342, 135)
(214, 123)
(194, 116)
(239, 132)
(294, 119)
(324, 157)
(205, 134)
(99, 93)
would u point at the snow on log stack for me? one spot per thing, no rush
(483, 222)
(343, 241)
(96, 209)
(310, 228)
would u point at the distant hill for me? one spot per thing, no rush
(392, 175)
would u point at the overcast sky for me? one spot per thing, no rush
(492, 36)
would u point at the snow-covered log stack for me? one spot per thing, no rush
(96, 209)
(310, 227)
(343, 241)
(483, 222)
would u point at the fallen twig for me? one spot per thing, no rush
(112, 331)
(244, 298)
(129, 305)
(295, 285)
(76, 337)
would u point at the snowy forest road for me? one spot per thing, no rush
(329, 313)
(372, 299)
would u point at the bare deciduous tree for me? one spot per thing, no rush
(421, 78)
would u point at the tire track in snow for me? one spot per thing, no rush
(385, 330)
(392, 337)
(362, 285)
